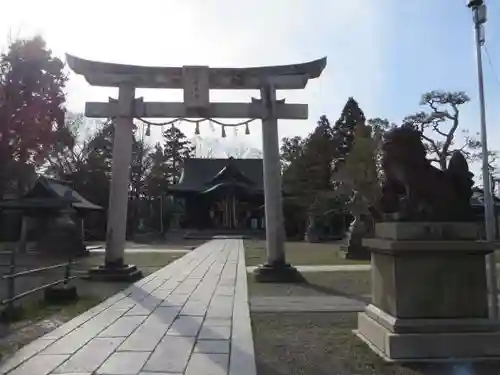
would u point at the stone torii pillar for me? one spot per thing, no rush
(196, 82)
(114, 268)
(120, 172)
(276, 269)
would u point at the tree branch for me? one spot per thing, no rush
(451, 133)
(432, 142)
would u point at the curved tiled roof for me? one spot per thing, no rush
(200, 174)
(50, 193)
(477, 198)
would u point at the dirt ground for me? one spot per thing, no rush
(344, 283)
(299, 253)
(323, 344)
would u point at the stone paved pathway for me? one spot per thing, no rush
(190, 318)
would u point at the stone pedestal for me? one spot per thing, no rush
(61, 294)
(356, 252)
(354, 248)
(429, 294)
(277, 273)
(312, 235)
(115, 272)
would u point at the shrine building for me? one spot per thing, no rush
(222, 194)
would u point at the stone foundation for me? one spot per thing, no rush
(356, 252)
(429, 297)
(125, 272)
(429, 340)
(277, 273)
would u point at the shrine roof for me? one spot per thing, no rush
(50, 193)
(201, 174)
(477, 198)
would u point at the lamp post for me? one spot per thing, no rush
(479, 17)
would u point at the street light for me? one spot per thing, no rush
(479, 17)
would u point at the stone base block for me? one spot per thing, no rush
(128, 273)
(406, 231)
(277, 273)
(465, 340)
(355, 252)
(60, 294)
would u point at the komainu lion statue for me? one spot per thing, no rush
(415, 190)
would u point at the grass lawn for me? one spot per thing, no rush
(299, 253)
(323, 344)
(148, 262)
(317, 284)
(38, 319)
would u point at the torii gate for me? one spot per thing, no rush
(196, 81)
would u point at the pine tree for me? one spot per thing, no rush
(177, 148)
(343, 131)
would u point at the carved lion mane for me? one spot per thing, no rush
(417, 191)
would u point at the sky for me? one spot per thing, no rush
(384, 53)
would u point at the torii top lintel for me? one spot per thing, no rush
(294, 76)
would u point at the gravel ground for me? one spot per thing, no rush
(299, 253)
(349, 283)
(140, 259)
(323, 344)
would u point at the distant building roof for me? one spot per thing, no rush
(50, 193)
(477, 198)
(200, 175)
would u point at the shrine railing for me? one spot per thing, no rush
(10, 310)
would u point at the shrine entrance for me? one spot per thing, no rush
(221, 194)
(196, 83)
(232, 212)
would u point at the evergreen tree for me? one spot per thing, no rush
(31, 109)
(318, 156)
(157, 175)
(157, 182)
(307, 172)
(139, 167)
(343, 131)
(177, 148)
(307, 162)
(138, 178)
(291, 161)
(359, 171)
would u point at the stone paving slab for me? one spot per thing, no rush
(191, 317)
